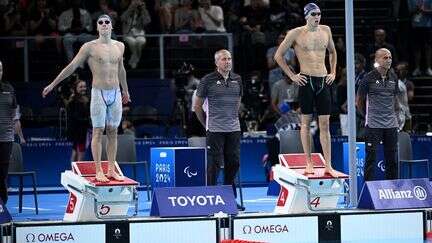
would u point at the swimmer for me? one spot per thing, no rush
(105, 59)
(310, 43)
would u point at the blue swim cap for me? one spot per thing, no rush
(308, 8)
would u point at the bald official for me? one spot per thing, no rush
(379, 89)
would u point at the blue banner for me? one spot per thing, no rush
(178, 166)
(193, 201)
(396, 194)
(4, 214)
(379, 167)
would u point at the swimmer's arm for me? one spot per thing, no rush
(332, 52)
(78, 60)
(283, 47)
(122, 72)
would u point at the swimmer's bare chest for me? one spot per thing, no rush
(310, 49)
(312, 41)
(104, 62)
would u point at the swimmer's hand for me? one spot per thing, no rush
(330, 78)
(125, 97)
(47, 90)
(299, 79)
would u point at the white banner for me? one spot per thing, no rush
(196, 231)
(383, 227)
(277, 229)
(85, 233)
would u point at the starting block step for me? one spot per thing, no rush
(303, 193)
(93, 200)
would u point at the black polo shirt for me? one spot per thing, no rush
(380, 95)
(8, 107)
(223, 101)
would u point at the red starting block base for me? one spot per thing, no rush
(92, 200)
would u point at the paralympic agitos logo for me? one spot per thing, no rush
(50, 237)
(265, 229)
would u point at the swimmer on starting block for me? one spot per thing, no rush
(105, 59)
(310, 43)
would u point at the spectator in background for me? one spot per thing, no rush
(253, 40)
(134, 19)
(341, 53)
(380, 42)
(275, 72)
(284, 91)
(360, 68)
(43, 22)
(14, 21)
(166, 9)
(184, 18)
(78, 110)
(406, 88)
(76, 26)
(212, 16)
(421, 23)
(277, 20)
(360, 72)
(341, 97)
(253, 18)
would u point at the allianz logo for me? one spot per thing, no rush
(202, 200)
(390, 194)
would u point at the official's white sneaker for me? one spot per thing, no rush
(429, 72)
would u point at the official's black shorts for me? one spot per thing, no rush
(315, 92)
(5, 151)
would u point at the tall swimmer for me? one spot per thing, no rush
(105, 59)
(310, 43)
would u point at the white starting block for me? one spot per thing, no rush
(92, 200)
(302, 193)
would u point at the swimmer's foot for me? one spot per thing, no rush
(101, 177)
(115, 175)
(309, 169)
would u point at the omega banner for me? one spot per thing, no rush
(396, 194)
(277, 229)
(193, 201)
(61, 233)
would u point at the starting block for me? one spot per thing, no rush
(92, 200)
(302, 193)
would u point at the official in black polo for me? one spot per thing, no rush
(376, 96)
(8, 107)
(223, 90)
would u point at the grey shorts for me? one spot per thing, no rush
(105, 107)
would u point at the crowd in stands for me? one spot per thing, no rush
(258, 26)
